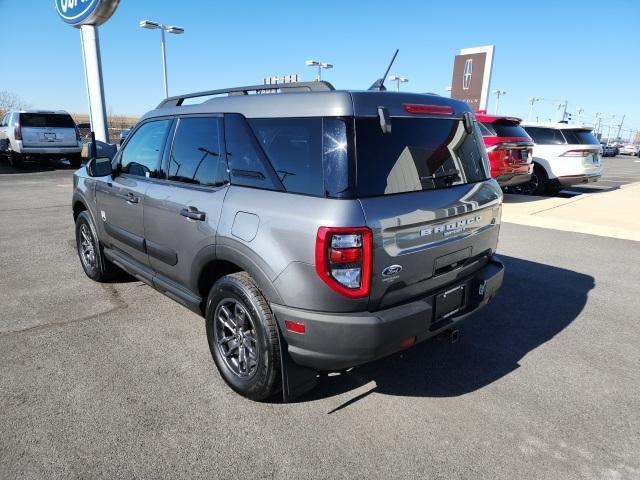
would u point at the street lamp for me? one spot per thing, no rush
(532, 100)
(498, 94)
(398, 80)
(149, 25)
(320, 65)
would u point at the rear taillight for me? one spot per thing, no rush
(578, 153)
(343, 259)
(17, 132)
(427, 109)
(78, 138)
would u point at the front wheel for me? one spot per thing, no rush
(243, 337)
(92, 259)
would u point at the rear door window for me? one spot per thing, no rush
(418, 154)
(545, 136)
(54, 120)
(195, 156)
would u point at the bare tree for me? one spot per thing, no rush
(10, 101)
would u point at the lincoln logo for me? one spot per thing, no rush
(466, 75)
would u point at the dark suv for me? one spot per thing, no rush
(314, 229)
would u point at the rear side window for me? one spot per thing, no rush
(195, 156)
(55, 120)
(418, 154)
(142, 153)
(248, 166)
(545, 136)
(579, 137)
(293, 146)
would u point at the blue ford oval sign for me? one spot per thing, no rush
(86, 12)
(391, 270)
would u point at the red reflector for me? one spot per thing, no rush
(427, 109)
(295, 327)
(345, 255)
(407, 342)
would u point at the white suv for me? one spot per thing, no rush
(630, 149)
(39, 134)
(563, 155)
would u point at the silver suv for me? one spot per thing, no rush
(314, 229)
(39, 134)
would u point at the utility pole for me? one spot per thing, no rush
(532, 100)
(610, 128)
(580, 110)
(620, 126)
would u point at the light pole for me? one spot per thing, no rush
(532, 100)
(163, 28)
(398, 80)
(596, 127)
(320, 65)
(580, 110)
(613, 117)
(498, 94)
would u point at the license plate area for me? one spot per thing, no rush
(449, 303)
(50, 137)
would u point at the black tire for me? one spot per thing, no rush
(75, 161)
(538, 184)
(15, 159)
(99, 268)
(252, 329)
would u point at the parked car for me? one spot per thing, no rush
(608, 150)
(630, 149)
(124, 134)
(314, 230)
(563, 155)
(509, 149)
(39, 134)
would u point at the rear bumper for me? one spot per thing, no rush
(578, 179)
(509, 180)
(52, 151)
(335, 341)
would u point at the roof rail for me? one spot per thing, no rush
(316, 86)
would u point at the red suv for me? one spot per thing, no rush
(509, 149)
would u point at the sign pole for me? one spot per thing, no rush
(95, 86)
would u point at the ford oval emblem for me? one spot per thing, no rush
(391, 270)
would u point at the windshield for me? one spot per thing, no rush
(418, 154)
(580, 137)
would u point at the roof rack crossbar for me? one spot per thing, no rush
(316, 86)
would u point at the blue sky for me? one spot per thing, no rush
(587, 52)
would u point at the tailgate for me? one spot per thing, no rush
(48, 137)
(426, 240)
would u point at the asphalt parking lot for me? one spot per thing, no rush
(116, 381)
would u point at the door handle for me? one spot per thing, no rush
(131, 198)
(193, 213)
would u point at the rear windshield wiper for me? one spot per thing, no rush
(435, 176)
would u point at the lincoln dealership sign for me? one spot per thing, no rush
(86, 12)
(472, 76)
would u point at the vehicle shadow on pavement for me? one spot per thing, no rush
(535, 303)
(35, 167)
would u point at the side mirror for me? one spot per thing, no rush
(99, 167)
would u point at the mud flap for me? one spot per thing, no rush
(296, 380)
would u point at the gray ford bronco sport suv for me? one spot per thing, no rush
(314, 229)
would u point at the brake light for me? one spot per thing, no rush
(17, 131)
(78, 138)
(343, 259)
(427, 109)
(578, 153)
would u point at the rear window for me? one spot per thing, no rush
(418, 154)
(505, 129)
(579, 137)
(545, 136)
(55, 120)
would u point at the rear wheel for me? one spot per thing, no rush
(243, 337)
(538, 183)
(15, 159)
(75, 161)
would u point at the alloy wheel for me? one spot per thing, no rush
(235, 338)
(87, 248)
